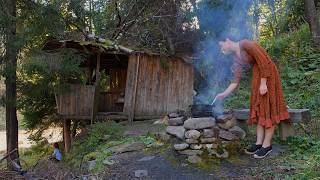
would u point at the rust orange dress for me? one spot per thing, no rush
(269, 109)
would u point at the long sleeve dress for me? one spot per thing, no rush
(269, 109)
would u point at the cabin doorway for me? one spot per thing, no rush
(112, 83)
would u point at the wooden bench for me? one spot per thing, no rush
(286, 127)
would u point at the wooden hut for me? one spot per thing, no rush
(140, 85)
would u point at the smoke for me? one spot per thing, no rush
(218, 20)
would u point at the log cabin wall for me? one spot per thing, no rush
(77, 102)
(162, 85)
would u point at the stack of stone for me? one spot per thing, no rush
(207, 133)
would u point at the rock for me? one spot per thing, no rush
(199, 123)
(91, 165)
(191, 152)
(208, 146)
(227, 135)
(184, 164)
(208, 133)
(128, 147)
(225, 142)
(140, 173)
(147, 158)
(163, 136)
(240, 133)
(177, 131)
(106, 137)
(278, 150)
(211, 146)
(195, 146)
(180, 147)
(192, 134)
(156, 145)
(228, 124)
(222, 155)
(224, 118)
(192, 141)
(176, 121)
(207, 140)
(194, 159)
(173, 115)
(109, 162)
(164, 120)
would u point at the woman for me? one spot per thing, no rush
(267, 103)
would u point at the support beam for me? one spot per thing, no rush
(286, 129)
(96, 90)
(134, 93)
(67, 134)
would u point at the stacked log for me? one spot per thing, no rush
(197, 135)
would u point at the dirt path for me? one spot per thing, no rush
(162, 167)
(166, 164)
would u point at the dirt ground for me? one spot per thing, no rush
(164, 163)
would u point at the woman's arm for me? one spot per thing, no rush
(228, 91)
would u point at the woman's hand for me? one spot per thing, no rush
(221, 96)
(263, 88)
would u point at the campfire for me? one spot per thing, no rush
(208, 129)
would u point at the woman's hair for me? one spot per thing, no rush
(56, 145)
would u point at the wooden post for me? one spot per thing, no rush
(66, 134)
(134, 93)
(286, 129)
(96, 90)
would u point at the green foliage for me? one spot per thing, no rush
(305, 157)
(39, 77)
(95, 146)
(241, 96)
(104, 82)
(299, 64)
(31, 156)
(279, 17)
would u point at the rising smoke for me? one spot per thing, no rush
(218, 19)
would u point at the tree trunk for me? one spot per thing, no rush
(10, 81)
(311, 13)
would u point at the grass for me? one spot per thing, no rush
(95, 146)
(29, 157)
(300, 161)
(91, 145)
(304, 157)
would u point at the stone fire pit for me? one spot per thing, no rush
(198, 135)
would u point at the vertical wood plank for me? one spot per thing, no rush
(131, 115)
(129, 84)
(96, 90)
(66, 134)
